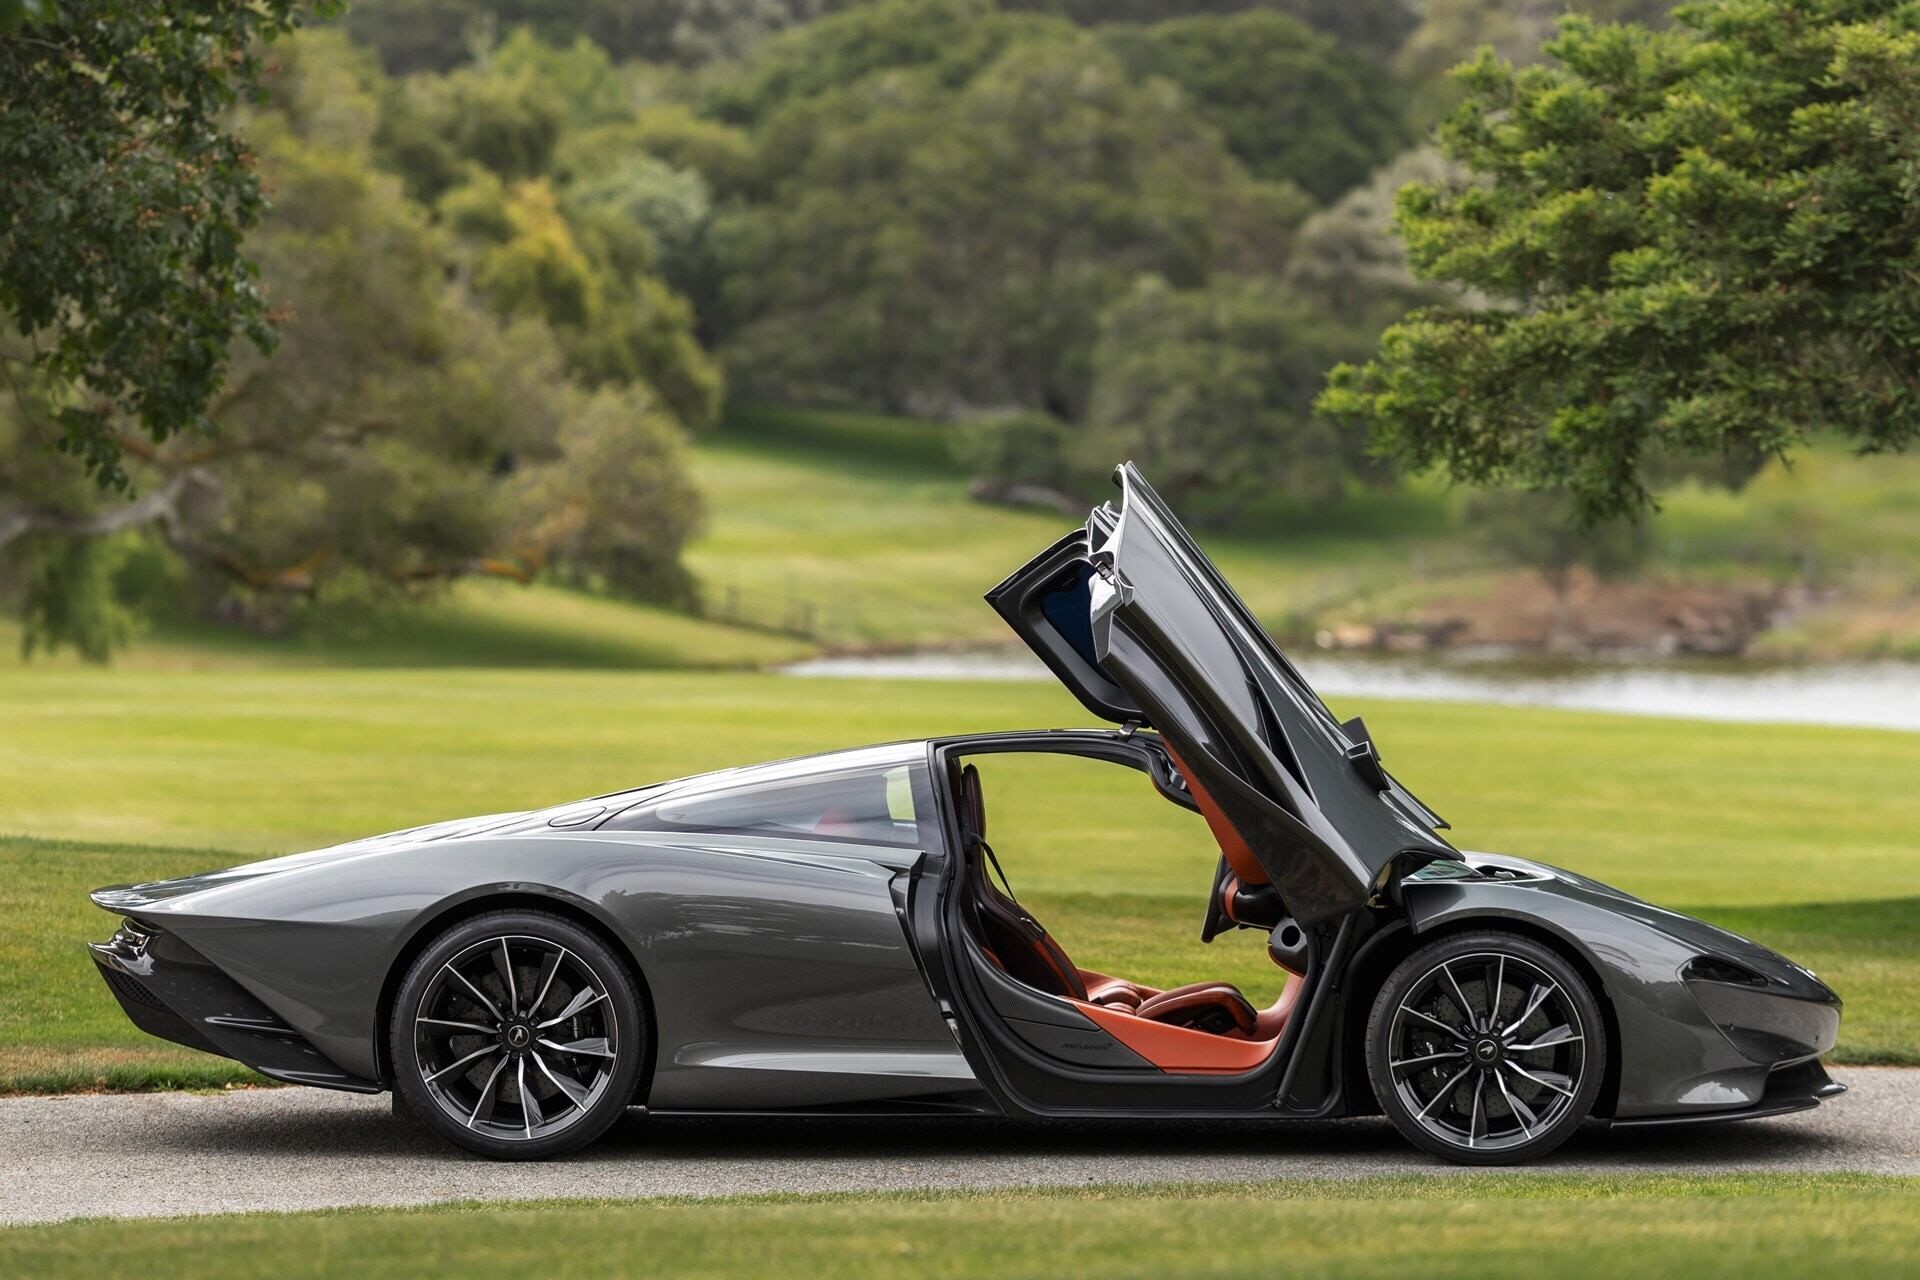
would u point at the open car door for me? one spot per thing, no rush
(1133, 618)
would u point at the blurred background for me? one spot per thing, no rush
(727, 333)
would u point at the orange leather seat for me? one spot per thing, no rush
(1021, 946)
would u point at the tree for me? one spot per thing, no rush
(1348, 257)
(1211, 391)
(1290, 102)
(942, 248)
(438, 35)
(1374, 28)
(1022, 459)
(559, 212)
(1697, 242)
(1450, 32)
(406, 433)
(121, 213)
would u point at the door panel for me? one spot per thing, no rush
(1047, 604)
(1167, 643)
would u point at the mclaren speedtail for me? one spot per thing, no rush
(830, 934)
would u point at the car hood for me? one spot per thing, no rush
(1685, 929)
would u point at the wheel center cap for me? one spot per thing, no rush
(519, 1036)
(1486, 1052)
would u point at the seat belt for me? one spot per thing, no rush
(998, 870)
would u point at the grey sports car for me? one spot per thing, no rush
(830, 933)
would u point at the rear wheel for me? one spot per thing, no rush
(518, 1035)
(1486, 1048)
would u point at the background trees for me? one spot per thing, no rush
(517, 251)
(1697, 242)
(122, 208)
(940, 249)
(492, 383)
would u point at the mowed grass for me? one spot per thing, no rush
(1486, 1225)
(1799, 836)
(860, 525)
(476, 623)
(865, 521)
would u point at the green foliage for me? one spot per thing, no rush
(436, 35)
(672, 132)
(1451, 32)
(1035, 449)
(1374, 28)
(562, 213)
(507, 121)
(1347, 256)
(538, 268)
(929, 244)
(70, 599)
(616, 496)
(1211, 392)
(1701, 241)
(950, 40)
(428, 413)
(121, 212)
(1290, 102)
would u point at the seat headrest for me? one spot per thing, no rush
(973, 807)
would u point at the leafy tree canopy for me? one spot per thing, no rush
(122, 209)
(1291, 103)
(493, 385)
(1374, 28)
(1212, 391)
(1697, 242)
(934, 248)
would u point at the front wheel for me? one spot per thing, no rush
(1486, 1048)
(518, 1035)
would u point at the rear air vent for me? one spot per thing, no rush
(1492, 872)
(128, 989)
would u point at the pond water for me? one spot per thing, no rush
(1871, 695)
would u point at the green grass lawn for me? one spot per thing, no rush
(860, 524)
(867, 520)
(1800, 836)
(1488, 1225)
(477, 623)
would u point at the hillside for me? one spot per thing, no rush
(857, 529)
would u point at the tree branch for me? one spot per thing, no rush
(162, 504)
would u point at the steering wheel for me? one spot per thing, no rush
(1217, 921)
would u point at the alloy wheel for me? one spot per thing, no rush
(516, 1038)
(1487, 1051)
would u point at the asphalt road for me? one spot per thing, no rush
(141, 1155)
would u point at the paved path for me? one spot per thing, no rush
(138, 1155)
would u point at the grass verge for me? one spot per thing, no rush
(476, 623)
(863, 523)
(1494, 1225)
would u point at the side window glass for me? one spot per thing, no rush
(865, 806)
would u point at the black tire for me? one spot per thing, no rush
(1434, 1072)
(518, 1035)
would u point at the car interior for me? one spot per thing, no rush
(1199, 1026)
